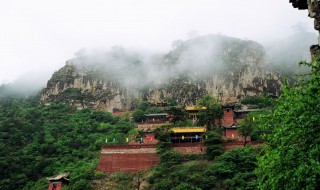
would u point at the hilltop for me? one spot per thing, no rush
(224, 67)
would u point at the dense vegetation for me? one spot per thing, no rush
(232, 170)
(257, 102)
(41, 141)
(292, 157)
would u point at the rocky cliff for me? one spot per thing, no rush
(224, 67)
(313, 7)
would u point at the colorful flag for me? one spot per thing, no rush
(197, 137)
(114, 140)
(252, 118)
(106, 140)
(232, 135)
(127, 139)
(182, 137)
(141, 139)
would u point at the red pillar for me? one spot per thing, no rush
(55, 186)
(50, 186)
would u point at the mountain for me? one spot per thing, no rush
(225, 67)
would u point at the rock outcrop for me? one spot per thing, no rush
(224, 67)
(313, 7)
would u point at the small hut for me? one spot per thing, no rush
(58, 181)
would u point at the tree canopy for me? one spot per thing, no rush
(177, 115)
(212, 112)
(39, 141)
(292, 157)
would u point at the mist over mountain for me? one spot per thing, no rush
(221, 60)
(225, 67)
(284, 54)
(27, 85)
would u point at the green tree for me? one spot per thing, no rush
(138, 115)
(292, 157)
(213, 144)
(170, 101)
(212, 112)
(247, 126)
(143, 105)
(177, 115)
(258, 102)
(154, 110)
(235, 169)
(126, 116)
(163, 133)
(252, 125)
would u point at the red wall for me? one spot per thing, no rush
(118, 160)
(150, 139)
(127, 162)
(56, 186)
(227, 119)
(229, 133)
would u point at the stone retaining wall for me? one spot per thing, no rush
(134, 158)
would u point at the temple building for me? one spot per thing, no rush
(152, 121)
(58, 181)
(230, 119)
(156, 118)
(188, 134)
(193, 111)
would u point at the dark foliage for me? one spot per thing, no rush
(40, 141)
(232, 170)
(258, 102)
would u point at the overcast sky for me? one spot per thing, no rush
(38, 36)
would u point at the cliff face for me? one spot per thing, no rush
(83, 88)
(313, 7)
(223, 67)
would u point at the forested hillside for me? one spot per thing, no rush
(41, 141)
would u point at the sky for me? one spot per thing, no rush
(37, 37)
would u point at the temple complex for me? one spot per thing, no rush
(141, 155)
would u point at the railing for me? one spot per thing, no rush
(187, 144)
(138, 146)
(154, 122)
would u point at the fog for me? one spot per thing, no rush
(199, 57)
(284, 54)
(38, 37)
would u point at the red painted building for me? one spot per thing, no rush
(58, 181)
(228, 115)
(149, 137)
(230, 119)
(231, 132)
(229, 122)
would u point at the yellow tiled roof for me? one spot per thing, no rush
(190, 108)
(189, 129)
